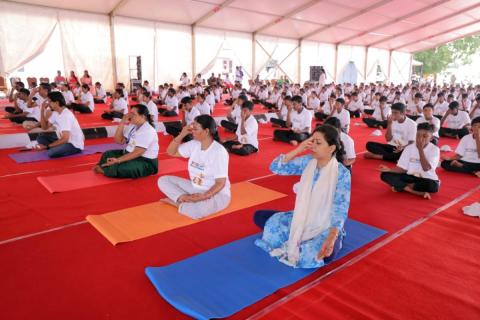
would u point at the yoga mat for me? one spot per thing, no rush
(224, 280)
(87, 179)
(34, 156)
(153, 218)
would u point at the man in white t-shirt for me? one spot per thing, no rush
(440, 107)
(467, 154)
(26, 113)
(86, 103)
(189, 113)
(455, 123)
(234, 115)
(246, 141)
(401, 131)
(475, 108)
(415, 107)
(280, 119)
(380, 115)
(415, 170)
(355, 106)
(299, 120)
(100, 94)
(70, 136)
(342, 114)
(428, 117)
(171, 104)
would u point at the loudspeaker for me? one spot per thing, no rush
(315, 73)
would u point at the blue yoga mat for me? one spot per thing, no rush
(224, 280)
(34, 156)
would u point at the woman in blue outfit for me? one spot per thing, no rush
(311, 234)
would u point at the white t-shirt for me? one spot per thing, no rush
(144, 137)
(191, 115)
(153, 110)
(349, 146)
(476, 113)
(34, 112)
(301, 120)
(458, 121)
(68, 96)
(467, 148)
(66, 121)
(434, 121)
(410, 161)
(203, 108)
(100, 93)
(120, 105)
(440, 108)
(344, 117)
(412, 107)
(251, 127)
(377, 112)
(236, 113)
(87, 99)
(314, 104)
(355, 105)
(204, 166)
(172, 102)
(327, 108)
(465, 105)
(39, 99)
(403, 132)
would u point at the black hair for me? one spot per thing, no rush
(453, 105)
(399, 107)
(450, 96)
(425, 126)
(120, 92)
(20, 84)
(464, 95)
(287, 98)
(98, 83)
(383, 99)
(341, 101)
(46, 86)
(56, 96)
(85, 86)
(247, 105)
(24, 91)
(186, 100)
(207, 122)
(297, 99)
(355, 94)
(440, 94)
(334, 122)
(428, 105)
(476, 120)
(418, 95)
(243, 97)
(146, 93)
(332, 137)
(143, 111)
(477, 98)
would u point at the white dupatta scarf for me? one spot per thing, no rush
(312, 212)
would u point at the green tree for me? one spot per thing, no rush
(438, 59)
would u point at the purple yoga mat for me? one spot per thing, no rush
(33, 156)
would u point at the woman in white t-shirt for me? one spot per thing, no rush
(467, 154)
(415, 170)
(70, 138)
(140, 156)
(246, 141)
(208, 189)
(118, 107)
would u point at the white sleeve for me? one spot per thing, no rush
(404, 159)
(461, 146)
(186, 149)
(434, 158)
(412, 134)
(251, 126)
(143, 139)
(64, 124)
(350, 149)
(221, 164)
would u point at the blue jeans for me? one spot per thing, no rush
(58, 151)
(260, 218)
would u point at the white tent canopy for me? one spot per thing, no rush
(378, 36)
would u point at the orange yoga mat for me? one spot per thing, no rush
(153, 218)
(87, 179)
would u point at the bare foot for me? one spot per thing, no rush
(294, 143)
(97, 169)
(477, 174)
(169, 202)
(427, 196)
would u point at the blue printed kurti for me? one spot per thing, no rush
(277, 228)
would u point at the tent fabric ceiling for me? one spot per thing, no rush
(402, 25)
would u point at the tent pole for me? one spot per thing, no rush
(299, 66)
(335, 64)
(254, 76)
(389, 66)
(113, 50)
(194, 59)
(365, 69)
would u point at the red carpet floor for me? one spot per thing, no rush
(75, 273)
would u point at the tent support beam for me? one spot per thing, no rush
(450, 40)
(287, 15)
(437, 34)
(425, 25)
(119, 4)
(389, 23)
(347, 18)
(113, 49)
(212, 12)
(299, 61)
(254, 56)
(194, 52)
(389, 65)
(365, 69)
(335, 64)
